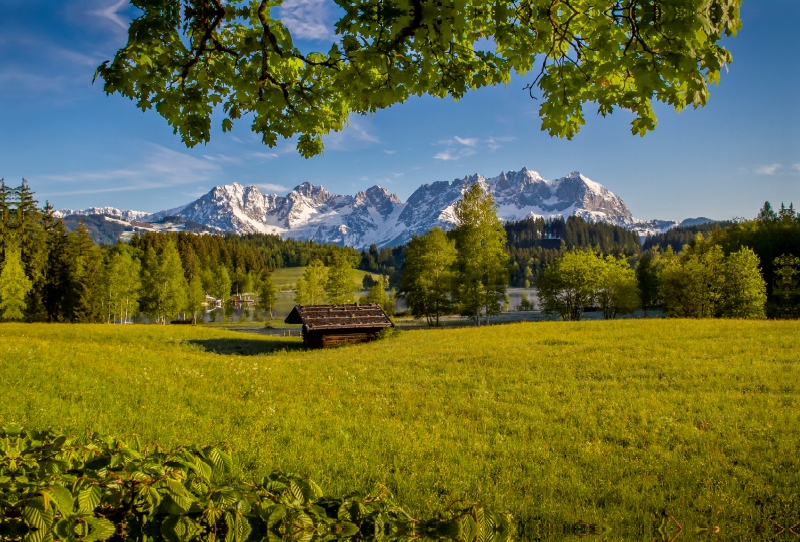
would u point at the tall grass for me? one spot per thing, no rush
(617, 422)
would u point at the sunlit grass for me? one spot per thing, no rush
(610, 422)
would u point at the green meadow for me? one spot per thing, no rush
(617, 423)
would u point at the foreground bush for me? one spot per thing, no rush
(96, 487)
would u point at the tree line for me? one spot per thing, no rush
(749, 269)
(50, 274)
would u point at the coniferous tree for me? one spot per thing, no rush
(786, 287)
(85, 294)
(647, 282)
(14, 285)
(482, 260)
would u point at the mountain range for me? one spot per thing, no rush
(310, 212)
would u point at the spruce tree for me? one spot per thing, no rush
(786, 287)
(84, 291)
(647, 282)
(14, 286)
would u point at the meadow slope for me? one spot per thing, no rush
(616, 422)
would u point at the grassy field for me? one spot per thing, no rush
(617, 423)
(285, 278)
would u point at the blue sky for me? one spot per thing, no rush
(78, 147)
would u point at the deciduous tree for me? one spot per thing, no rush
(618, 289)
(340, 287)
(191, 59)
(745, 293)
(428, 275)
(482, 260)
(310, 289)
(571, 284)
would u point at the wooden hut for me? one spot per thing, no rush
(330, 325)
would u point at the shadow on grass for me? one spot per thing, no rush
(246, 347)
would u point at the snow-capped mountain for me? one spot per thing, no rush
(310, 212)
(113, 212)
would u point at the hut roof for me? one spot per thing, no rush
(324, 317)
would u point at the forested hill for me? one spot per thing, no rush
(536, 242)
(682, 235)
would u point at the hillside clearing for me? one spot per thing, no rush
(615, 422)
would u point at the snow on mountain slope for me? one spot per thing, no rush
(111, 212)
(311, 212)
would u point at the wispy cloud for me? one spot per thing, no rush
(387, 151)
(273, 187)
(112, 13)
(267, 155)
(460, 147)
(223, 158)
(159, 167)
(796, 167)
(468, 141)
(308, 19)
(355, 135)
(494, 142)
(770, 169)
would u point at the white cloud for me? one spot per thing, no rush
(446, 156)
(112, 13)
(273, 187)
(264, 155)
(468, 141)
(771, 169)
(387, 151)
(796, 166)
(398, 174)
(363, 179)
(308, 19)
(451, 154)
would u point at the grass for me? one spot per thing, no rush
(285, 278)
(617, 422)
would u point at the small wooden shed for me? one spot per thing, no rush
(331, 325)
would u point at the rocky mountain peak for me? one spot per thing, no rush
(377, 216)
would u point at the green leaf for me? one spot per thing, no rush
(37, 514)
(63, 499)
